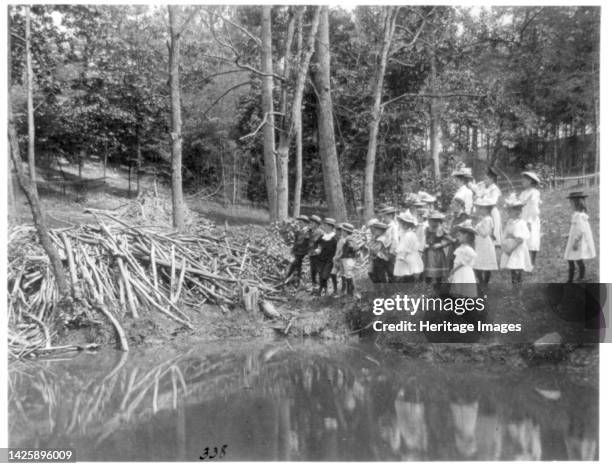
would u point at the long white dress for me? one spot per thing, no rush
(518, 259)
(408, 260)
(465, 193)
(580, 227)
(531, 214)
(492, 192)
(486, 258)
(463, 280)
(392, 236)
(420, 233)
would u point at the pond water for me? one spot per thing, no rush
(297, 401)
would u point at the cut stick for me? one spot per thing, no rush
(76, 293)
(128, 290)
(172, 273)
(154, 270)
(177, 294)
(159, 307)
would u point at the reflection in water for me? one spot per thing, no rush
(306, 401)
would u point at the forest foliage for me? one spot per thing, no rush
(504, 82)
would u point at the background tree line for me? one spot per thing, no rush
(295, 105)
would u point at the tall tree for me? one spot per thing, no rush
(267, 107)
(292, 116)
(174, 48)
(325, 123)
(389, 18)
(297, 190)
(29, 189)
(30, 99)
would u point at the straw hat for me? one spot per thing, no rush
(485, 202)
(426, 198)
(531, 175)
(329, 221)
(379, 225)
(513, 201)
(347, 227)
(435, 215)
(388, 210)
(316, 219)
(407, 217)
(466, 226)
(303, 218)
(463, 172)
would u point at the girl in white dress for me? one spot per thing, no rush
(531, 211)
(462, 277)
(487, 189)
(515, 252)
(408, 262)
(464, 193)
(580, 244)
(486, 259)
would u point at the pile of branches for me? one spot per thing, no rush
(124, 270)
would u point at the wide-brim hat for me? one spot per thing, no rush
(426, 198)
(411, 197)
(466, 226)
(577, 195)
(418, 203)
(436, 216)
(303, 218)
(407, 217)
(347, 227)
(316, 219)
(531, 175)
(513, 202)
(485, 202)
(388, 210)
(379, 225)
(463, 172)
(329, 221)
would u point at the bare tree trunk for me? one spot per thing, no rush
(105, 159)
(295, 114)
(390, 15)
(325, 121)
(284, 143)
(297, 190)
(30, 100)
(138, 163)
(267, 109)
(178, 214)
(39, 220)
(12, 197)
(435, 133)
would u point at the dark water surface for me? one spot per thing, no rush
(297, 401)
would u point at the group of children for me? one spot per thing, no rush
(419, 242)
(332, 249)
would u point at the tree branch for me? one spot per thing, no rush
(261, 124)
(458, 94)
(235, 25)
(225, 94)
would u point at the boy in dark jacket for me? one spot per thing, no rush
(301, 246)
(325, 249)
(315, 232)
